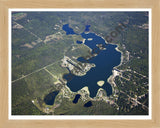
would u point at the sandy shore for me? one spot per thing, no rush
(83, 41)
(111, 79)
(89, 39)
(121, 56)
(99, 94)
(86, 89)
(86, 32)
(100, 83)
(57, 82)
(114, 72)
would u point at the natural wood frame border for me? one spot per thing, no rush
(6, 4)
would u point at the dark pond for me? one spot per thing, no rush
(49, 99)
(88, 104)
(87, 28)
(68, 30)
(76, 98)
(79, 42)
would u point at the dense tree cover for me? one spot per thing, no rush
(41, 24)
(35, 86)
(22, 100)
(38, 57)
(97, 108)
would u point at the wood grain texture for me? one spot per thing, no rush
(6, 4)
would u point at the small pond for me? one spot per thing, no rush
(88, 104)
(49, 99)
(76, 98)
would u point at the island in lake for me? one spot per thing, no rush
(64, 64)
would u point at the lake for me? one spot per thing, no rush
(49, 99)
(88, 104)
(68, 30)
(104, 61)
(76, 98)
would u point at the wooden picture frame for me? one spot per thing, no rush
(4, 61)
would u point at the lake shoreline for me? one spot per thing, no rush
(111, 79)
(91, 47)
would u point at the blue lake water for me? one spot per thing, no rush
(79, 42)
(68, 30)
(87, 28)
(104, 61)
